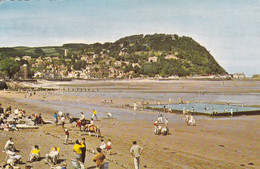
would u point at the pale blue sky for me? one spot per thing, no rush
(229, 29)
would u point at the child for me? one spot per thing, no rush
(67, 134)
(103, 145)
(79, 125)
(109, 147)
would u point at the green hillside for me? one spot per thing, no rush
(173, 55)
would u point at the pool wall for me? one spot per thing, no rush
(240, 113)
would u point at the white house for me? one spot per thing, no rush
(153, 59)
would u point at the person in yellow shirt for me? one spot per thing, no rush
(35, 153)
(94, 114)
(77, 148)
(99, 159)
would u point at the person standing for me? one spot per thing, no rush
(136, 151)
(67, 135)
(166, 121)
(160, 117)
(78, 125)
(62, 121)
(99, 159)
(94, 114)
(77, 148)
(55, 118)
(135, 106)
(109, 147)
(84, 149)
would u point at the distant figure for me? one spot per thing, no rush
(187, 118)
(136, 151)
(109, 147)
(160, 117)
(109, 115)
(169, 110)
(192, 109)
(231, 111)
(62, 121)
(225, 110)
(166, 121)
(94, 114)
(55, 118)
(82, 116)
(78, 125)
(103, 145)
(67, 135)
(135, 106)
(155, 125)
(183, 110)
(191, 121)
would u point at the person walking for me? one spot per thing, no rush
(136, 151)
(94, 114)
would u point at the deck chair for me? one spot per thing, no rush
(35, 154)
(58, 149)
(55, 158)
(77, 164)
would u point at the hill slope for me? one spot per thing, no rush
(161, 54)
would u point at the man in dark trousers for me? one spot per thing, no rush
(83, 150)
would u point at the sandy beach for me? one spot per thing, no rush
(212, 143)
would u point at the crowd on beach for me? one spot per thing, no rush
(9, 119)
(13, 159)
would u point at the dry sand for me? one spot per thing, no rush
(213, 143)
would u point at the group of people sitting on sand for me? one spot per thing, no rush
(9, 120)
(189, 119)
(159, 129)
(12, 159)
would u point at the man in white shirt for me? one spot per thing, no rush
(136, 151)
(9, 145)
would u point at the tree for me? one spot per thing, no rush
(79, 65)
(39, 52)
(9, 66)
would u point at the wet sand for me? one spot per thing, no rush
(213, 143)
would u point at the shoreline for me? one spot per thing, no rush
(212, 143)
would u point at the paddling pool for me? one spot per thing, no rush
(208, 109)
